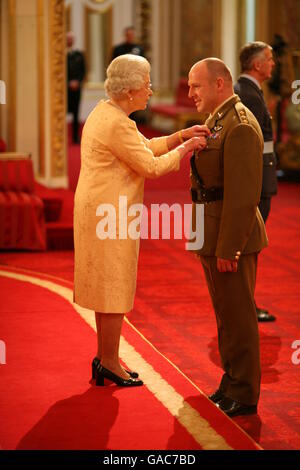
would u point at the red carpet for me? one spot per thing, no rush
(46, 384)
(180, 309)
(173, 311)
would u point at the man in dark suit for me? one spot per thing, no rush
(226, 177)
(129, 46)
(75, 76)
(256, 65)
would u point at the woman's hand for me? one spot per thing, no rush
(180, 137)
(195, 131)
(195, 143)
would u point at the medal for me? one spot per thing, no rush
(213, 136)
(215, 132)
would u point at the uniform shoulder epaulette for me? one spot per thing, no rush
(241, 112)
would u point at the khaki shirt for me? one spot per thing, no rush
(232, 160)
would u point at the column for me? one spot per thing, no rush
(33, 58)
(229, 35)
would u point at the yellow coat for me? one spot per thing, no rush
(115, 160)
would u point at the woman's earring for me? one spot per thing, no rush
(131, 99)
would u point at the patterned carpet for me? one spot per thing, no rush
(173, 312)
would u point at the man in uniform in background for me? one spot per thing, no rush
(75, 76)
(256, 65)
(226, 177)
(129, 46)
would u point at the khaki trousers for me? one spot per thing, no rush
(232, 296)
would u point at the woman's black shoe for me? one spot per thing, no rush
(101, 373)
(96, 363)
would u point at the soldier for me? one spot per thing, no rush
(129, 46)
(75, 77)
(257, 63)
(226, 177)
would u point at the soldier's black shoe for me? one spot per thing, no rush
(264, 315)
(216, 396)
(234, 408)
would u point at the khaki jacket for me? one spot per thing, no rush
(232, 160)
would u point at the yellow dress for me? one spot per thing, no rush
(115, 160)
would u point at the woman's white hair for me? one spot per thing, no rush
(126, 72)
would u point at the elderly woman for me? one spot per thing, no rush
(115, 160)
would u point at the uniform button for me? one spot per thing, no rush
(271, 163)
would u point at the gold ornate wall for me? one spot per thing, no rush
(278, 17)
(143, 19)
(284, 19)
(41, 85)
(58, 86)
(200, 31)
(33, 66)
(11, 107)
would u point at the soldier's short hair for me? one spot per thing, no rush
(249, 52)
(217, 68)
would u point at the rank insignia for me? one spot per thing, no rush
(217, 128)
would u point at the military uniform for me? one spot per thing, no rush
(75, 71)
(127, 48)
(228, 183)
